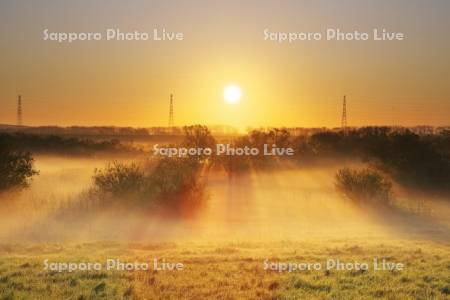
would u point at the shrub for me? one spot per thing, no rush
(412, 158)
(119, 179)
(364, 186)
(198, 136)
(160, 184)
(16, 168)
(170, 182)
(171, 176)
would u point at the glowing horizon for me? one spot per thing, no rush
(128, 83)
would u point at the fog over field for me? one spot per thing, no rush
(261, 205)
(236, 224)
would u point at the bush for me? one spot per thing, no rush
(198, 136)
(171, 176)
(413, 159)
(160, 184)
(16, 168)
(170, 182)
(364, 186)
(119, 179)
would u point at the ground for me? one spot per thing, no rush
(224, 270)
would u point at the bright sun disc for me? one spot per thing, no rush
(232, 93)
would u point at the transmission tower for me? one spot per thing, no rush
(171, 112)
(344, 116)
(19, 110)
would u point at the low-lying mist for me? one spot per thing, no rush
(273, 204)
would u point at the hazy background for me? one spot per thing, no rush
(301, 84)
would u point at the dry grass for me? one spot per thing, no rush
(227, 271)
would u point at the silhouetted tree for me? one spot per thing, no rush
(16, 168)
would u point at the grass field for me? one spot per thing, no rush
(228, 271)
(245, 224)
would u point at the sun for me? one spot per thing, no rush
(232, 93)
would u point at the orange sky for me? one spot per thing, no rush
(128, 83)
